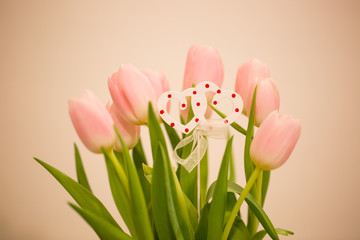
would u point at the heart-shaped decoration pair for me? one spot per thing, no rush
(198, 104)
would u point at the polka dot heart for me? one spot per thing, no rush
(198, 104)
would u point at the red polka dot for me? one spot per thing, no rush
(162, 112)
(233, 95)
(197, 104)
(214, 102)
(207, 85)
(172, 124)
(194, 92)
(196, 120)
(169, 96)
(183, 105)
(186, 130)
(236, 110)
(218, 91)
(226, 121)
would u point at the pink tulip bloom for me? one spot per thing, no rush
(247, 77)
(92, 122)
(158, 81)
(131, 92)
(274, 141)
(267, 99)
(203, 64)
(130, 133)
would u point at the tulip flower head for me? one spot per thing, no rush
(248, 76)
(158, 80)
(267, 99)
(92, 122)
(274, 141)
(203, 64)
(131, 92)
(130, 133)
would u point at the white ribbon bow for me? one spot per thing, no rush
(210, 128)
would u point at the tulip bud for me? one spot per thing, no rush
(130, 133)
(203, 64)
(247, 77)
(158, 81)
(131, 92)
(92, 122)
(267, 99)
(274, 141)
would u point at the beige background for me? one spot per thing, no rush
(53, 50)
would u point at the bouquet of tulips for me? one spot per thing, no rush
(164, 201)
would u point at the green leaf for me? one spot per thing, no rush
(80, 172)
(239, 231)
(188, 182)
(120, 194)
(156, 133)
(248, 164)
(176, 205)
(104, 229)
(264, 186)
(232, 167)
(261, 234)
(218, 203)
(204, 171)
(202, 228)
(80, 194)
(148, 172)
(190, 207)
(173, 136)
(284, 232)
(159, 200)
(236, 126)
(230, 203)
(139, 160)
(253, 205)
(139, 207)
(120, 159)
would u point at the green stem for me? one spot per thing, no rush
(241, 199)
(255, 222)
(120, 171)
(236, 126)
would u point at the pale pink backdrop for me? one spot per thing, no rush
(53, 50)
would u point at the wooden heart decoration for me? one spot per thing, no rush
(221, 94)
(198, 100)
(198, 104)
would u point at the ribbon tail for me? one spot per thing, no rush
(196, 154)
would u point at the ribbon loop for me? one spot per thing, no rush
(209, 128)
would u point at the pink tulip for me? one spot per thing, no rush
(92, 122)
(131, 92)
(203, 64)
(274, 141)
(130, 133)
(158, 81)
(267, 99)
(247, 77)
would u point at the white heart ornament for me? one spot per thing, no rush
(198, 103)
(220, 94)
